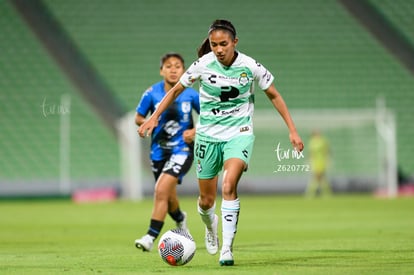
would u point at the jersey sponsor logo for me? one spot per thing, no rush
(217, 111)
(165, 144)
(212, 79)
(267, 75)
(244, 129)
(230, 78)
(170, 165)
(231, 112)
(242, 80)
(172, 127)
(228, 92)
(179, 159)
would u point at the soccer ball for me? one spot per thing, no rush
(176, 247)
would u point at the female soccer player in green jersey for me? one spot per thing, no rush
(224, 132)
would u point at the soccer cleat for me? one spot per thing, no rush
(211, 238)
(226, 256)
(145, 243)
(183, 224)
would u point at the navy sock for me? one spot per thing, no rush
(155, 228)
(177, 215)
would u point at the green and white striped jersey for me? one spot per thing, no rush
(226, 94)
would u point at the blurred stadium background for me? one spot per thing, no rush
(59, 135)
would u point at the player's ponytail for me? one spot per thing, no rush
(218, 24)
(204, 48)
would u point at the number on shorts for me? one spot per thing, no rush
(200, 150)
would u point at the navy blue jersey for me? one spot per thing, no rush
(167, 137)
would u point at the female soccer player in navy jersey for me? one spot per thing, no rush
(171, 145)
(224, 135)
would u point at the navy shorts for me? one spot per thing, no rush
(177, 165)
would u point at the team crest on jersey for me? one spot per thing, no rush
(243, 79)
(185, 107)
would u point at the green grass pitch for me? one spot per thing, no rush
(276, 235)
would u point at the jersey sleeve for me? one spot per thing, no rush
(145, 104)
(262, 75)
(192, 74)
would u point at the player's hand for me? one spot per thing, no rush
(296, 141)
(145, 130)
(189, 135)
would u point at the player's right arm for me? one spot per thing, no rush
(148, 126)
(139, 119)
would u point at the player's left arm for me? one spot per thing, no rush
(280, 105)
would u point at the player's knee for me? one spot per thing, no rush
(161, 193)
(206, 201)
(229, 190)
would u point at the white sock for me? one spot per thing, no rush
(229, 216)
(207, 216)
